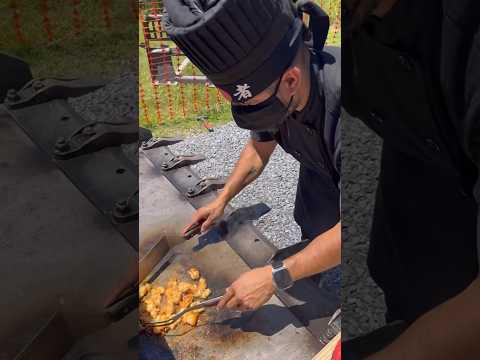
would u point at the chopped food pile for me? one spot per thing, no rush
(159, 303)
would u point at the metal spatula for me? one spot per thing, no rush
(171, 320)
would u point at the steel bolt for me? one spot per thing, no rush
(89, 130)
(61, 144)
(12, 95)
(121, 206)
(191, 190)
(38, 85)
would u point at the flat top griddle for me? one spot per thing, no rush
(272, 332)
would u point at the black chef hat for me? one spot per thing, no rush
(242, 46)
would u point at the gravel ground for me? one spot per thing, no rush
(363, 305)
(276, 187)
(116, 101)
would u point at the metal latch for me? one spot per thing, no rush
(42, 90)
(206, 185)
(154, 143)
(181, 160)
(96, 136)
(126, 210)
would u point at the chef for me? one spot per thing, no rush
(284, 87)
(412, 74)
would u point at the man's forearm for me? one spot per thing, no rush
(450, 331)
(249, 167)
(323, 253)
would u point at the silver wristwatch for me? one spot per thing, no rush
(281, 277)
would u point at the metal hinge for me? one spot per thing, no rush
(206, 185)
(154, 143)
(181, 160)
(95, 136)
(42, 90)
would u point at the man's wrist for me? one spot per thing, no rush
(281, 277)
(291, 265)
(223, 199)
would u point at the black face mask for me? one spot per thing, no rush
(266, 116)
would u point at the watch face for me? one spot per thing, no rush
(282, 278)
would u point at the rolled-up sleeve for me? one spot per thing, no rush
(262, 136)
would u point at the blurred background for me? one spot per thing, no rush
(175, 99)
(71, 38)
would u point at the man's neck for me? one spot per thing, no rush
(304, 94)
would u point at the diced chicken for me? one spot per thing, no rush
(194, 273)
(144, 289)
(191, 318)
(173, 295)
(184, 287)
(206, 293)
(186, 300)
(172, 284)
(201, 286)
(160, 290)
(161, 303)
(168, 309)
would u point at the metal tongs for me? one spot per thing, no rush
(193, 230)
(171, 320)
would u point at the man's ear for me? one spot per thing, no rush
(291, 81)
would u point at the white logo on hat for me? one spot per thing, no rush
(243, 92)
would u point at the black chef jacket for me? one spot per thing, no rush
(414, 78)
(312, 136)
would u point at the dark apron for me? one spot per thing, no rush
(421, 250)
(317, 206)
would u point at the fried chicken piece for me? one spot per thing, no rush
(206, 293)
(148, 300)
(201, 287)
(160, 330)
(173, 295)
(159, 290)
(154, 299)
(144, 289)
(191, 318)
(150, 308)
(167, 308)
(160, 303)
(184, 287)
(172, 284)
(194, 273)
(174, 325)
(186, 301)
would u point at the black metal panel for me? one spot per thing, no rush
(106, 177)
(52, 341)
(39, 91)
(243, 237)
(14, 73)
(309, 303)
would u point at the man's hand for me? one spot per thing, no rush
(250, 291)
(207, 215)
(252, 161)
